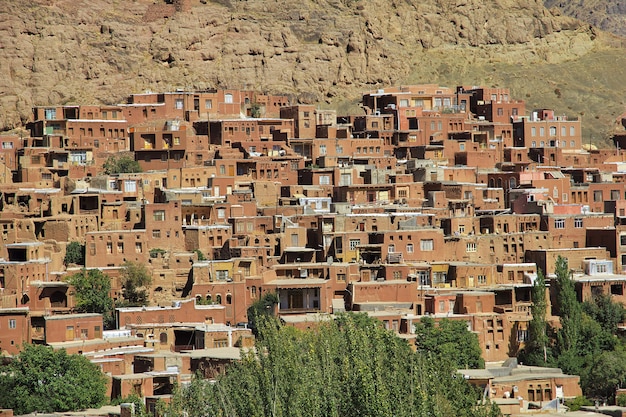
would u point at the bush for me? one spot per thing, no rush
(121, 164)
(576, 403)
(74, 254)
(620, 400)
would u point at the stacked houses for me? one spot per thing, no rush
(433, 201)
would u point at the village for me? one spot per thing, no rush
(434, 201)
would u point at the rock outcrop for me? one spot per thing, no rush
(81, 51)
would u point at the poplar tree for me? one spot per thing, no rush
(538, 342)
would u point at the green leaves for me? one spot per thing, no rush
(121, 164)
(43, 380)
(538, 343)
(347, 367)
(135, 279)
(74, 254)
(92, 293)
(449, 340)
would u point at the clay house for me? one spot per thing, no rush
(495, 104)
(114, 247)
(304, 119)
(212, 362)
(225, 132)
(223, 283)
(544, 129)
(58, 328)
(184, 311)
(163, 226)
(9, 144)
(14, 329)
(161, 144)
(599, 278)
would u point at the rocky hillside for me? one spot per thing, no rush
(329, 51)
(609, 15)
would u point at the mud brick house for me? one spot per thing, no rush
(434, 200)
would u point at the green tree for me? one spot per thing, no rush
(74, 254)
(118, 164)
(605, 311)
(201, 256)
(44, 380)
(135, 277)
(92, 292)
(263, 307)
(346, 367)
(449, 339)
(570, 315)
(604, 373)
(538, 343)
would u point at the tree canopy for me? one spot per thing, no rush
(135, 277)
(92, 293)
(346, 367)
(118, 164)
(449, 339)
(74, 253)
(538, 343)
(586, 344)
(44, 380)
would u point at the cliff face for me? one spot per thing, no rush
(81, 51)
(605, 14)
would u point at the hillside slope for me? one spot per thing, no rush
(80, 51)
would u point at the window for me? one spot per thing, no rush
(533, 131)
(324, 179)
(322, 150)
(178, 104)
(341, 277)
(572, 130)
(109, 248)
(138, 248)
(578, 222)
(597, 196)
(130, 186)
(522, 335)
(427, 245)
(397, 274)
(615, 195)
(156, 234)
(391, 248)
(470, 247)
(482, 279)
(552, 130)
(563, 131)
(354, 243)
(12, 324)
(208, 104)
(500, 111)
(534, 144)
(50, 114)
(7, 145)
(559, 223)
(221, 274)
(228, 98)
(409, 248)
(120, 247)
(159, 215)
(542, 131)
